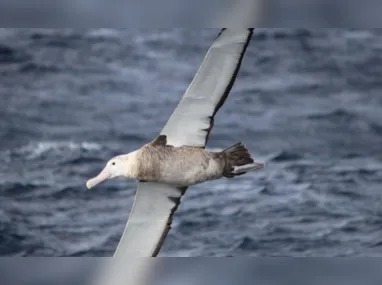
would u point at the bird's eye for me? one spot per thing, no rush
(113, 163)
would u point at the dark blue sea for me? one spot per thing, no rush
(307, 102)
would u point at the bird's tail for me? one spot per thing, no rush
(239, 161)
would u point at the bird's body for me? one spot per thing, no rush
(178, 166)
(183, 166)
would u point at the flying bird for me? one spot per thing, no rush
(177, 158)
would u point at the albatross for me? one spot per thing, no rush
(177, 158)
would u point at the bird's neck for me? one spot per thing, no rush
(131, 168)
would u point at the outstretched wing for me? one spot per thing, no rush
(193, 118)
(190, 124)
(150, 219)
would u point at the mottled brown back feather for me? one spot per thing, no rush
(160, 140)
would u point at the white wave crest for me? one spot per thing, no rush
(35, 150)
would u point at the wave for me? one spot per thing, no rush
(337, 114)
(12, 55)
(104, 33)
(247, 244)
(281, 34)
(376, 128)
(18, 188)
(33, 67)
(56, 38)
(35, 150)
(286, 156)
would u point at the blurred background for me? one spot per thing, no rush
(200, 271)
(190, 14)
(305, 101)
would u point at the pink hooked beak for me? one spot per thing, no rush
(98, 179)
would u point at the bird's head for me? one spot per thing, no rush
(115, 167)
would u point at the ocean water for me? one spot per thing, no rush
(307, 102)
